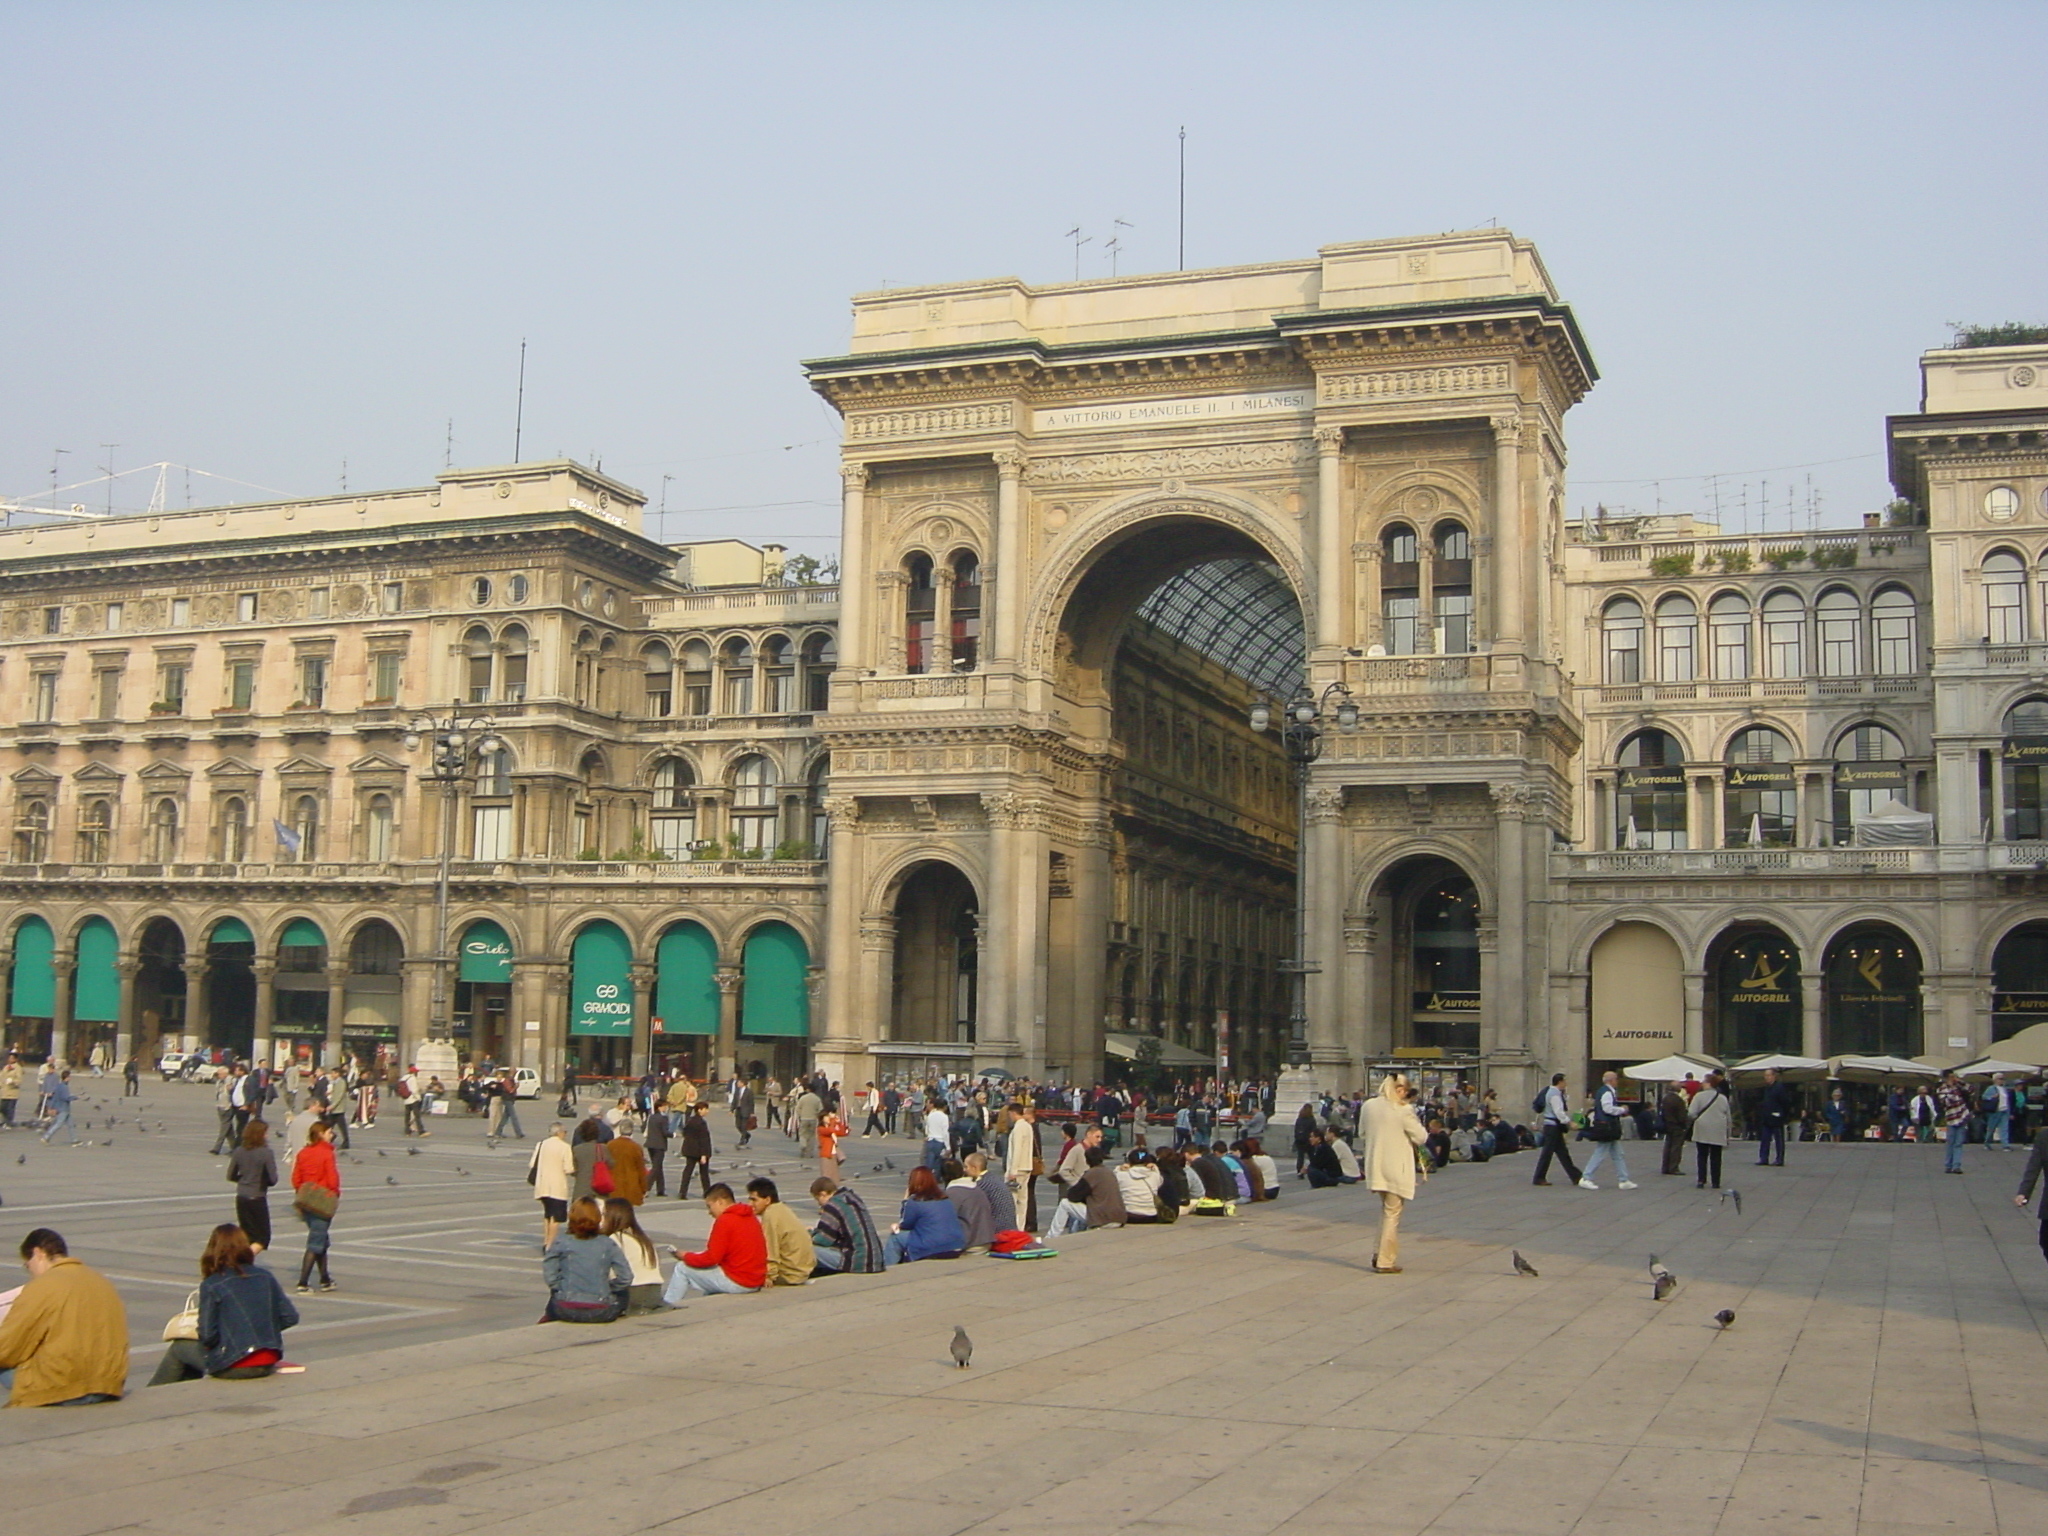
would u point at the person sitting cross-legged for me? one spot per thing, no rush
(734, 1260)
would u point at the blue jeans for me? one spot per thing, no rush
(1609, 1151)
(317, 1228)
(1995, 1129)
(934, 1154)
(686, 1281)
(1957, 1135)
(63, 1120)
(1068, 1216)
(829, 1258)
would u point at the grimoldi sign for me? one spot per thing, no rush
(1870, 775)
(1650, 781)
(2026, 749)
(1191, 410)
(1760, 776)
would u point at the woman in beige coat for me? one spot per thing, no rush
(551, 1173)
(1390, 1131)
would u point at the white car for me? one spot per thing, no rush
(525, 1083)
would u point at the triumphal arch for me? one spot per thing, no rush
(1087, 527)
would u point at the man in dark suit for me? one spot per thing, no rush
(1677, 1121)
(1774, 1109)
(2037, 1164)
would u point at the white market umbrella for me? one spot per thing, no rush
(1756, 829)
(1632, 842)
(2030, 1044)
(1807, 1067)
(1991, 1064)
(1879, 1069)
(1671, 1069)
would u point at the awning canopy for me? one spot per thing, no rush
(1125, 1047)
(2030, 1045)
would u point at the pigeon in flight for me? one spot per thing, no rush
(963, 1347)
(1665, 1288)
(1523, 1266)
(1736, 1196)
(1724, 1317)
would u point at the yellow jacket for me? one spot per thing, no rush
(65, 1336)
(791, 1257)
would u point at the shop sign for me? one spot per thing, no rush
(1650, 781)
(2026, 749)
(1759, 776)
(1870, 775)
(1447, 1002)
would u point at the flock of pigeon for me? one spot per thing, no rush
(1663, 1283)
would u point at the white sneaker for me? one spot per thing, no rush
(1625, 1184)
(1587, 1184)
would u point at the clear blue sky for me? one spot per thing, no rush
(265, 239)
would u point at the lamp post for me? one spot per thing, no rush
(1303, 721)
(454, 743)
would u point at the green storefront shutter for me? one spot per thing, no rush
(601, 982)
(302, 933)
(686, 985)
(34, 995)
(96, 984)
(486, 953)
(773, 998)
(231, 930)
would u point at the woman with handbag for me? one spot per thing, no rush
(242, 1312)
(1709, 1129)
(252, 1170)
(592, 1166)
(316, 1194)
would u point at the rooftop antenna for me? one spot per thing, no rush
(156, 495)
(1079, 240)
(109, 468)
(1714, 490)
(448, 447)
(519, 414)
(56, 457)
(188, 483)
(1116, 242)
(661, 512)
(1183, 258)
(344, 474)
(1763, 507)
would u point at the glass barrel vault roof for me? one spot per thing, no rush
(1239, 613)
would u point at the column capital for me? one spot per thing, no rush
(728, 979)
(1325, 805)
(1010, 462)
(843, 811)
(1506, 428)
(1329, 440)
(263, 967)
(854, 476)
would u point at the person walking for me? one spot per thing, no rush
(252, 1170)
(1710, 1131)
(831, 1130)
(743, 1121)
(1023, 1162)
(1953, 1095)
(629, 1168)
(2037, 1164)
(696, 1141)
(1677, 1118)
(60, 1097)
(552, 1172)
(938, 1127)
(316, 1193)
(1774, 1108)
(10, 1089)
(243, 1313)
(131, 1077)
(508, 1106)
(806, 1109)
(1391, 1133)
(871, 1103)
(655, 1140)
(1997, 1107)
(1557, 1125)
(1607, 1133)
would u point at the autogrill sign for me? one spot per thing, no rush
(1646, 781)
(1765, 776)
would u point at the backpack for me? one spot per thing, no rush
(1542, 1097)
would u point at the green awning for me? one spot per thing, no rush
(773, 997)
(34, 993)
(231, 930)
(300, 933)
(486, 953)
(601, 982)
(96, 984)
(685, 981)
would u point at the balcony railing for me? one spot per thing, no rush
(1807, 690)
(425, 871)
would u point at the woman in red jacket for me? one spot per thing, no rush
(316, 1190)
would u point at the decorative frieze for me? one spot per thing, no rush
(1415, 383)
(944, 421)
(1166, 463)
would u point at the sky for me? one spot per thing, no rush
(298, 246)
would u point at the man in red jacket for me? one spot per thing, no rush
(733, 1262)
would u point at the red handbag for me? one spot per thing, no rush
(601, 1177)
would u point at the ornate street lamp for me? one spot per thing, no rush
(1303, 721)
(455, 743)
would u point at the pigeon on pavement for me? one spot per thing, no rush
(963, 1347)
(1523, 1266)
(389, 1180)
(1665, 1288)
(1724, 1317)
(1657, 1269)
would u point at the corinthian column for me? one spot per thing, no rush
(1330, 568)
(853, 570)
(1009, 582)
(1509, 552)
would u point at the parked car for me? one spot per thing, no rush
(525, 1083)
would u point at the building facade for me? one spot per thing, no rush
(1615, 786)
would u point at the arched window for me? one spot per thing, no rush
(1839, 619)
(1870, 773)
(163, 831)
(380, 824)
(606, 682)
(821, 655)
(778, 676)
(2026, 771)
(658, 662)
(1761, 795)
(966, 619)
(1677, 639)
(478, 663)
(1621, 635)
(512, 669)
(231, 844)
(920, 606)
(1895, 633)
(95, 831)
(1451, 590)
(32, 831)
(1400, 591)
(490, 808)
(736, 660)
(2005, 599)
(753, 805)
(585, 681)
(1650, 792)
(306, 828)
(696, 678)
(1728, 632)
(1784, 635)
(814, 808)
(674, 818)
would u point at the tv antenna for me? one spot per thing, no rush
(1183, 256)
(1116, 242)
(1079, 240)
(519, 411)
